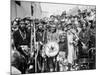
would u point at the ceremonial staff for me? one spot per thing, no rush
(33, 36)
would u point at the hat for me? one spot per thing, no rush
(27, 19)
(17, 19)
(36, 21)
(21, 21)
(43, 21)
(52, 16)
(63, 13)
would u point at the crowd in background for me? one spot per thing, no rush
(85, 17)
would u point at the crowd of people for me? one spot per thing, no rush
(72, 37)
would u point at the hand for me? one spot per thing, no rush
(24, 46)
(71, 42)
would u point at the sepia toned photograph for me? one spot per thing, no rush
(52, 37)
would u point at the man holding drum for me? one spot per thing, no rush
(52, 47)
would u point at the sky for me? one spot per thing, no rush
(52, 8)
(46, 8)
(56, 8)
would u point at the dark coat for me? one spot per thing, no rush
(18, 40)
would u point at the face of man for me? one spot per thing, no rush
(63, 37)
(84, 28)
(22, 25)
(40, 26)
(53, 29)
(65, 29)
(14, 23)
(27, 22)
(52, 18)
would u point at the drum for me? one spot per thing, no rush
(51, 49)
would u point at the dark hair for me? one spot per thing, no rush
(21, 21)
(26, 19)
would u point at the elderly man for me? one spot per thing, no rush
(52, 34)
(22, 43)
(83, 43)
(52, 38)
(21, 37)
